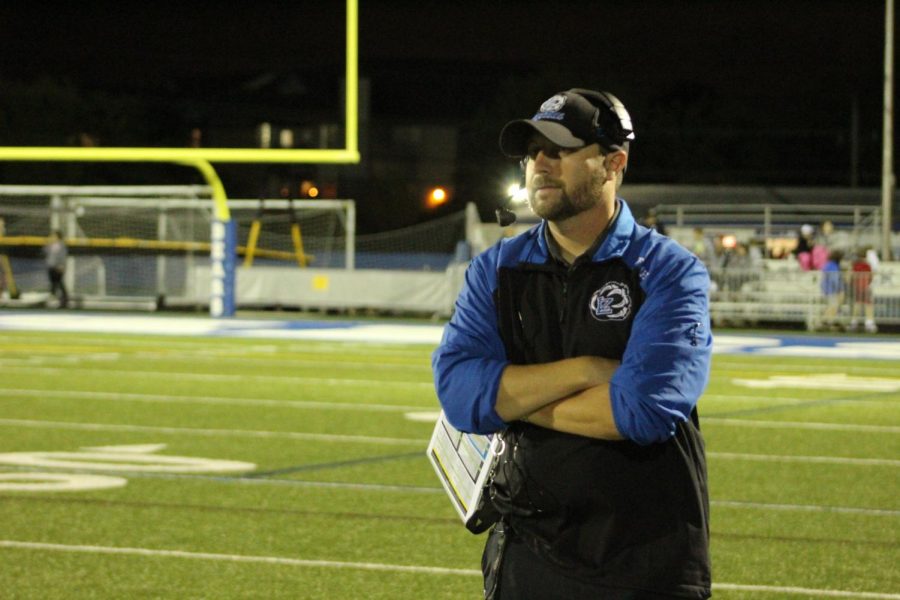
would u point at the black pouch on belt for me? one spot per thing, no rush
(492, 559)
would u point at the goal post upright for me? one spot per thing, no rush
(201, 158)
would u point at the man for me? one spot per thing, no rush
(832, 285)
(55, 253)
(651, 221)
(586, 342)
(703, 248)
(861, 286)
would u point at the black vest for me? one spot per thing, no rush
(610, 512)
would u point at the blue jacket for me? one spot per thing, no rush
(832, 282)
(666, 360)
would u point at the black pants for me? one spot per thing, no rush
(525, 576)
(57, 287)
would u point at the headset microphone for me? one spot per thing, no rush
(505, 217)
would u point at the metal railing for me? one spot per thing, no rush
(862, 223)
(845, 300)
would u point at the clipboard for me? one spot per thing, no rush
(463, 463)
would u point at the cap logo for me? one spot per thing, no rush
(553, 104)
(551, 110)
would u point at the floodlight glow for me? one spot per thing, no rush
(516, 193)
(437, 196)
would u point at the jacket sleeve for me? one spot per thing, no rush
(470, 359)
(665, 367)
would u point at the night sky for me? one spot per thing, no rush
(725, 91)
(773, 52)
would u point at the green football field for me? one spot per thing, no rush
(191, 467)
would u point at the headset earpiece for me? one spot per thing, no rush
(612, 123)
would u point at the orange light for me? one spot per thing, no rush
(729, 241)
(437, 197)
(308, 189)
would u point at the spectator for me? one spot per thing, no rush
(703, 248)
(755, 251)
(734, 265)
(56, 253)
(860, 287)
(872, 259)
(832, 290)
(821, 245)
(737, 257)
(805, 243)
(651, 221)
(824, 236)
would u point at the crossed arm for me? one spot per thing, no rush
(569, 395)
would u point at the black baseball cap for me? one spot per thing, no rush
(572, 119)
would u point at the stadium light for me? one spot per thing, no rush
(516, 193)
(438, 196)
(308, 189)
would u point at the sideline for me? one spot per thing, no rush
(868, 347)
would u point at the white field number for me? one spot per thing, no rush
(132, 458)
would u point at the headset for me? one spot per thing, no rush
(612, 123)
(612, 127)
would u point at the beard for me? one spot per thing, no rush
(583, 196)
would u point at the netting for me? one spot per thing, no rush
(147, 242)
(315, 234)
(111, 240)
(424, 247)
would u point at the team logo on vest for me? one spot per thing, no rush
(612, 302)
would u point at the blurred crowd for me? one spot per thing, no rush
(846, 273)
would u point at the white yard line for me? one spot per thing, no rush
(369, 566)
(818, 593)
(272, 560)
(39, 359)
(292, 435)
(740, 366)
(759, 399)
(831, 382)
(849, 510)
(800, 425)
(407, 489)
(706, 399)
(230, 346)
(837, 460)
(228, 377)
(118, 396)
(276, 362)
(828, 460)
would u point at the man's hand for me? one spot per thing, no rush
(587, 413)
(525, 389)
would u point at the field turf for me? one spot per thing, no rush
(303, 473)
